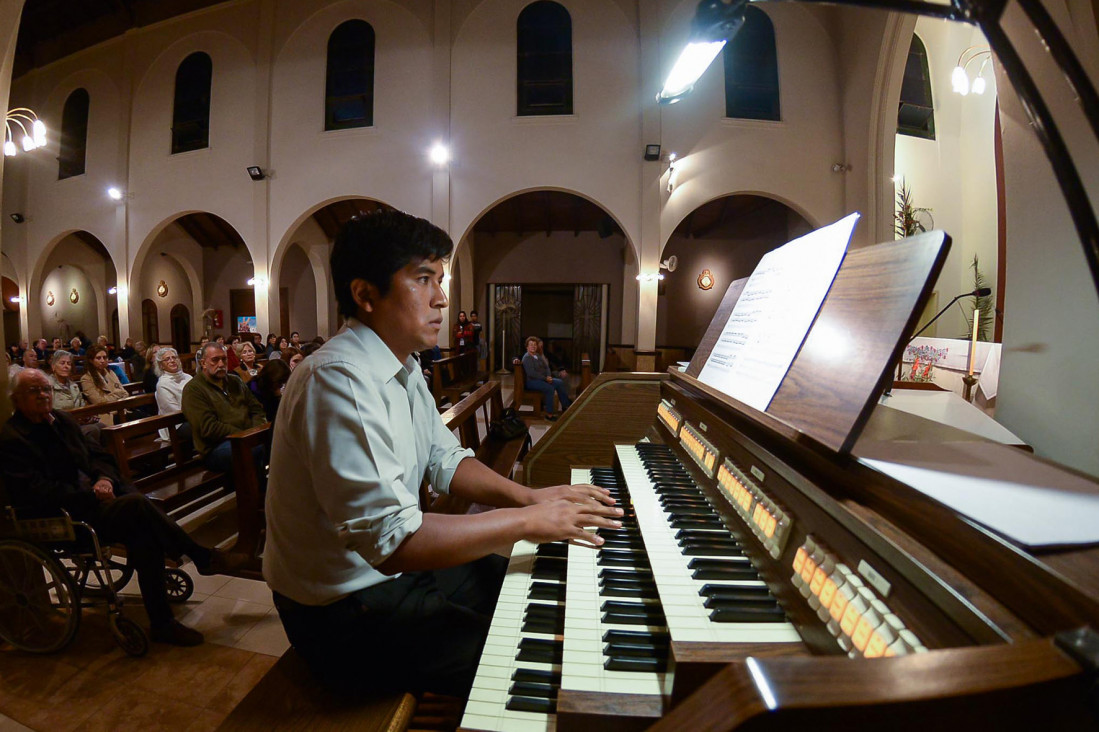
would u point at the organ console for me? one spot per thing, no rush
(768, 578)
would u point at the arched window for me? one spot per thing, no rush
(349, 77)
(544, 50)
(916, 115)
(191, 113)
(74, 135)
(751, 70)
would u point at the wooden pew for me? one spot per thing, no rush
(499, 455)
(520, 395)
(453, 376)
(585, 373)
(120, 409)
(251, 519)
(182, 484)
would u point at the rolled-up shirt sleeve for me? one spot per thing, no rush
(358, 475)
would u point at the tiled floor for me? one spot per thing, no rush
(93, 685)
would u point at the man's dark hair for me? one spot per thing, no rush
(374, 246)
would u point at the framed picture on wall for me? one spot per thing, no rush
(246, 324)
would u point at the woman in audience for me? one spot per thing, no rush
(269, 386)
(138, 363)
(169, 386)
(99, 384)
(232, 353)
(292, 357)
(149, 379)
(463, 332)
(539, 378)
(272, 344)
(76, 346)
(247, 369)
(66, 392)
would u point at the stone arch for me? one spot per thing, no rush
(792, 205)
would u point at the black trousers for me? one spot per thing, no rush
(149, 536)
(423, 631)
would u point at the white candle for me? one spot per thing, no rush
(973, 342)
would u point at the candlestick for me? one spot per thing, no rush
(973, 341)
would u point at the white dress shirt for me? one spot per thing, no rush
(357, 433)
(169, 394)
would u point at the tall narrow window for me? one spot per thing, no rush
(916, 115)
(751, 70)
(349, 77)
(74, 135)
(191, 113)
(544, 51)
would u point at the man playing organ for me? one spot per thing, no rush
(372, 592)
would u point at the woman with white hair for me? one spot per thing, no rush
(169, 385)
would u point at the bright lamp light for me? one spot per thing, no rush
(959, 82)
(714, 24)
(439, 154)
(114, 193)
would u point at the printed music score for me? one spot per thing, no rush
(773, 314)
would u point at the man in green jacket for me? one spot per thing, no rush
(217, 404)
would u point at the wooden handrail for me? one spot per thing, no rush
(118, 407)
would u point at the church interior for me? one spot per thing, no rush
(200, 157)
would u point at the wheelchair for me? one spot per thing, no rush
(50, 569)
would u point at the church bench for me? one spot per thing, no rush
(120, 409)
(535, 399)
(251, 519)
(180, 483)
(499, 455)
(453, 376)
(288, 697)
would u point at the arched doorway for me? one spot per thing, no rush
(181, 328)
(526, 281)
(726, 237)
(150, 324)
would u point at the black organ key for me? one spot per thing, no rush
(537, 650)
(737, 593)
(552, 591)
(649, 665)
(536, 676)
(550, 568)
(748, 615)
(531, 704)
(524, 688)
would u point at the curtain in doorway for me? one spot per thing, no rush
(587, 310)
(509, 310)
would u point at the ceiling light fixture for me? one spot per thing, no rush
(33, 129)
(959, 77)
(715, 23)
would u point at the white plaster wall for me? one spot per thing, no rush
(955, 174)
(224, 269)
(297, 278)
(64, 318)
(163, 268)
(789, 160)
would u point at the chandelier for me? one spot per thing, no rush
(34, 130)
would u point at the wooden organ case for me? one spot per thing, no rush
(893, 611)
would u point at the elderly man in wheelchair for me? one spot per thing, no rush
(49, 465)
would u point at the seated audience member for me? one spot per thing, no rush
(138, 363)
(171, 378)
(217, 404)
(42, 350)
(99, 383)
(15, 353)
(558, 361)
(232, 351)
(272, 344)
(428, 357)
(536, 369)
(56, 345)
(295, 340)
(30, 361)
(269, 385)
(48, 464)
(127, 352)
(66, 390)
(246, 368)
(309, 348)
(149, 379)
(76, 346)
(292, 357)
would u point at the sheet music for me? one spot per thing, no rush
(773, 315)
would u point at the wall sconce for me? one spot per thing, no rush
(18, 217)
(112, 291)
(257, 282)
(116, 194)
(959, 78)
(18, 300)
(74, 296)
(651, 276)
(50, 298)
(652, 152)
(673, 171)
(439, 155)
(255, 172)
(23, 118)
(162, 289)
(840, 167)
(706, 280)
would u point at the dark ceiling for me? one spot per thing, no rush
(546, 211)
(730, 216)
(53, 29)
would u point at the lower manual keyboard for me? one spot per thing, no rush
(519, 673)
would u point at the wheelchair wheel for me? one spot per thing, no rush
(119, 574)
(39, 606)
(180, 585)
(129, 635)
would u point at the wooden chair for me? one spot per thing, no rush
(522, 397)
